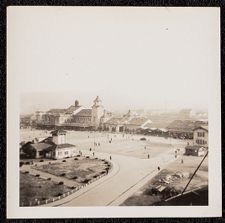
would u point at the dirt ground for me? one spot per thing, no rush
(122, 144)
(146, 195)
(32, 188)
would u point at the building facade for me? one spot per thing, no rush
(201, 136)
(76, 116)
(54, 147)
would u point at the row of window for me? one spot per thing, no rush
(65, 153)
(201, 134)
(201, 141)
(82, 119)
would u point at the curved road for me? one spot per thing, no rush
(127, 176)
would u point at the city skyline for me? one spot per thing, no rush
(31, 103)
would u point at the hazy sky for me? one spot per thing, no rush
(131, 57)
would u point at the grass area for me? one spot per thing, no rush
(32, 188)
(171, 182)
(79, 169)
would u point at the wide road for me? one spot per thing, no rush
(128, 175)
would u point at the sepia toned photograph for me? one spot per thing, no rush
(111, 109)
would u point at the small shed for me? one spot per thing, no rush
(194, 150)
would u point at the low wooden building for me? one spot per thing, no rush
(54, 147)
(194, 150)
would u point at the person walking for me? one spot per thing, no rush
(93, 154)
(158, 168)
(110, 158)
(148, 156)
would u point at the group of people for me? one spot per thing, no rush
(97, 144)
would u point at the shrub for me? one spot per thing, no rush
(59, 194)
(102, 172)
(26, 172)
(78, 155)
(75, 177)
(85, 181)
(72, 187)
(49, 178)
(61, 183)
(62, 174)
(27, 163)
(64, 161)
(37, 175)
(21, 164)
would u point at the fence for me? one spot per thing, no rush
(50, 200)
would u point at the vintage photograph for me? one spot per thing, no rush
(114, 107)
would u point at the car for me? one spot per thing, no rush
(143, 139)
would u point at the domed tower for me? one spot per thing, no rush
(97, 112)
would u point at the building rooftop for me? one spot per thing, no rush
(56, 110)
(65, 145)
(71, 109)
(138, 121)
(205, 127)
(184, 126)
(42, 146)
(84, 113)
(58, 132)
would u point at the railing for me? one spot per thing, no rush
(66, 194)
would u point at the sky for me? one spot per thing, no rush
(132, 58)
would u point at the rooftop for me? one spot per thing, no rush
(58, 132)
(84, 113)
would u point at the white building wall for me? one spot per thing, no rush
(59, 139)
(65, 152)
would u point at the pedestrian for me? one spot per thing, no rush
(93, 154)
(110, 158)
(145, 147)
(90, 149)
(158, 168)
(148, 156)
(99, 144)
(182, 161)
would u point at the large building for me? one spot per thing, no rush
(75, 116)
(130, 122)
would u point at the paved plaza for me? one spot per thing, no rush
(132, 167)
